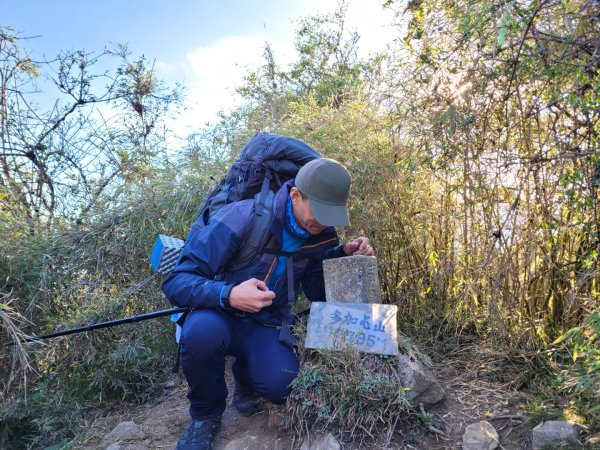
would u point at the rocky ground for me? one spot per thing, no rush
(474, 393)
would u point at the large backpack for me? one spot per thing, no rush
(266, 162)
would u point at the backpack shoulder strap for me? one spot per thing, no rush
(259, 235)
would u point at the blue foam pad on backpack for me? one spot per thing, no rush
(165, 253)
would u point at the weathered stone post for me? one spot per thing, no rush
(353, 279)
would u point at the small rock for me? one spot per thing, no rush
(423, 385)
(171, 384)
(275, 417)
(125, 431)
(594, 439)
(555, 432)
(255, 443)
(480, 436)
(114, 446)
(327, 442)
(244, 443)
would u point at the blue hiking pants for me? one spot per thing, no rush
(261, 361)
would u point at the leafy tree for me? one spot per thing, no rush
(328, 70)
(102, 130)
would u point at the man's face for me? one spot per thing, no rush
(303, 213)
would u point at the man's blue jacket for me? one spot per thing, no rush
(201, 276)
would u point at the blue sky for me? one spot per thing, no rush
(206, 45)
(164, 29)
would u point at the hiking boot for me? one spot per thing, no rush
(199, 435)
(246, 400)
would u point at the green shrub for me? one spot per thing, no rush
(82, 274)
(47, 415)
(578, 356)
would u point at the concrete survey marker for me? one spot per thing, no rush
(352, 279)
(367, 328)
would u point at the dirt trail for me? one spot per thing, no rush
(472, 395)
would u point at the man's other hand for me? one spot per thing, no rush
(359, 246)
(251, 296)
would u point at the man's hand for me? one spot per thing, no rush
(359, 246)
(251, 296)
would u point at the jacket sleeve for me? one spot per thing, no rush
(313, 282)
(334, 252)
(205, 254)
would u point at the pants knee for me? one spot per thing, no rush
(275, 388)
(205, 332)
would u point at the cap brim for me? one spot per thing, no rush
(330, 215)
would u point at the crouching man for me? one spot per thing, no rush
(244, 313)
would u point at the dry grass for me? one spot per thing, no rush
(357, 396)
(10, 320)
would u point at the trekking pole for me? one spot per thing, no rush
(111, 323)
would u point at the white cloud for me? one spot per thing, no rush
(372, 22)
(223, 61)
(165, 68)
(217, 69)
(213, 71)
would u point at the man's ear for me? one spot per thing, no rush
(295, 195)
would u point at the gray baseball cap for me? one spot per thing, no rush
(326, 183)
